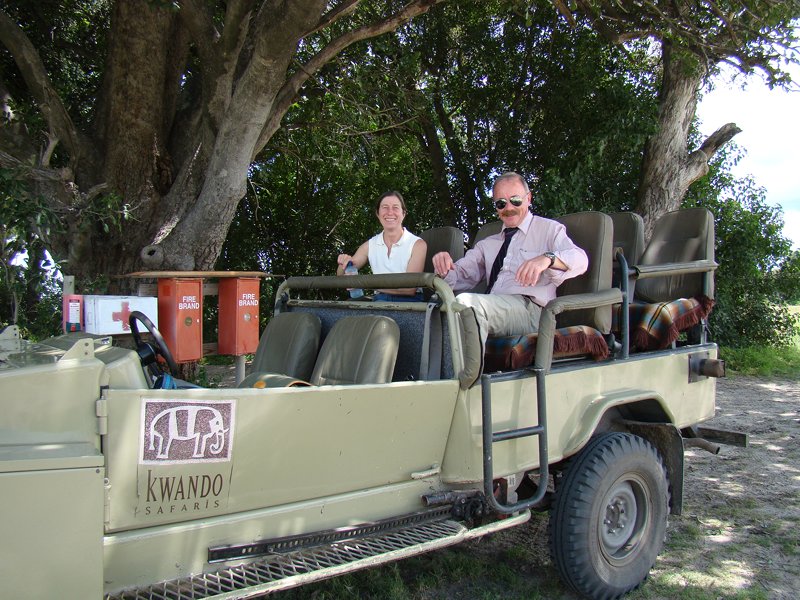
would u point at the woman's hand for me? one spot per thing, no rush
(342, 260)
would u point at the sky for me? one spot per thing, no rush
(770, 138)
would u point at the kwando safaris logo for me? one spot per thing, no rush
(185, 458)
(181, 432)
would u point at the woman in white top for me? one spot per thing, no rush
(394, 250)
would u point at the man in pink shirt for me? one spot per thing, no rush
(522, 265)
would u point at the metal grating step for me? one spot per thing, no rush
(289, 570)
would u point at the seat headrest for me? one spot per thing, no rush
(629, 235)
(490, 228)
(442, 239)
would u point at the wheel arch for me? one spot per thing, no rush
(648, 418)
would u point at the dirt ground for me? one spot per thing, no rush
(738, 536)
(739, 530)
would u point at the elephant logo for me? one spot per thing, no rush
(180, 432)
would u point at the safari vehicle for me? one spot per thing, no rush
(366, 432)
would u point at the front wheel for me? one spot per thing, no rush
(609, 516)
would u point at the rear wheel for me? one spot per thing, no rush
(609, 516)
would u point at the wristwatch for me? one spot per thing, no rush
(552, 258)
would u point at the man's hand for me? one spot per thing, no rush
(530, 271)
(443, 263)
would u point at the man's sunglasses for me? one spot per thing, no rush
(500, 203)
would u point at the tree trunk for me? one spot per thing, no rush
(429, 140)
(668, 168)
(188, 99)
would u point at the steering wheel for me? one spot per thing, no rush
(148, 352)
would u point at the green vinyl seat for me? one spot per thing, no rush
(358, 349)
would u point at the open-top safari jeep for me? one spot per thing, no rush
(366, 432)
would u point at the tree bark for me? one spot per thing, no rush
(429, 140)
(668, 168)
(187, 102)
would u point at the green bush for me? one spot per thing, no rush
(759, 273)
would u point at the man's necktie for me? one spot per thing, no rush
(498, 262)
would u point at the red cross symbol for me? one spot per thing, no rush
(123, 316)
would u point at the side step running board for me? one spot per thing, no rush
(284, 571)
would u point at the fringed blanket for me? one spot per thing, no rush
(655, 326)
(518, 351)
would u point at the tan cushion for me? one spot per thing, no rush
(593, 232)
(473, 349)
(680, 236)
(442, 239)
(358, 349)
(289, 345)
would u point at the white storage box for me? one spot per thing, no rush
(109, 314)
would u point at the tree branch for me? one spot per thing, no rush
(234, 33)
(696, 165)
(344, 9)
(58, 183)
(197, 19)
(288, 92)
(33, 72)
(747, 35)
(719, 138)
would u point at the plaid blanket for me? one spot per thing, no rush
(517, 351)
(655, 326)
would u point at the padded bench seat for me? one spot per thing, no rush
(655, 326)
(412, 332)
(518, 351)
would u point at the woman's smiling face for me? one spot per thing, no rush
(391, 213)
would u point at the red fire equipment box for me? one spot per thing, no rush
(238, 315)
(72, 311)
(180, 317)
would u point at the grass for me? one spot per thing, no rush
(763, 362)
(453, 573)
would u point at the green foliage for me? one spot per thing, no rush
(70, 37)
(758, 273)
(763, 361)
(29, 294)
(497, 90)
(754, 36)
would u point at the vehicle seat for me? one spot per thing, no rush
(580, 332)
(442, 239)
(628, 235)
(288, 347)
(665, 306)
(594, 232)
(487, 229)
(357, 350)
